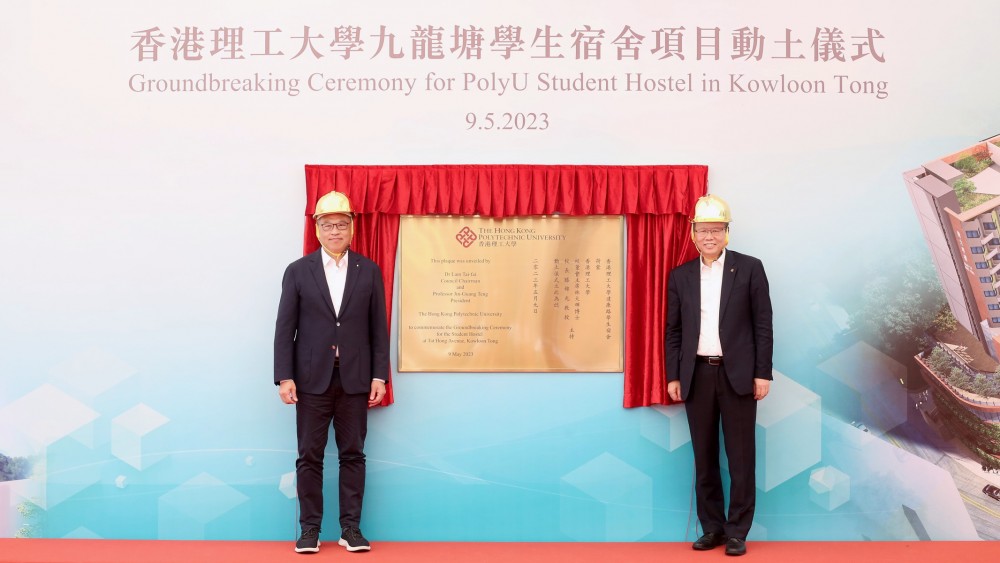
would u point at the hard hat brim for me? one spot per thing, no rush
(316, 216)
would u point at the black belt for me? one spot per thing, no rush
(710, 360)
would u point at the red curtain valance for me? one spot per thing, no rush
(654, 199)
(508, 190)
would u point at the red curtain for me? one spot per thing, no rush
(654, 199)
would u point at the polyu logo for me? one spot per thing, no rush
(466, 237)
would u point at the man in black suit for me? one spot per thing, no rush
(331, 360)
(719, 343)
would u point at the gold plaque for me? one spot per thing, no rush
(531, 294)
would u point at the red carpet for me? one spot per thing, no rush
(108, 551)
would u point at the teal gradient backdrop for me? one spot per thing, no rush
(143, 238)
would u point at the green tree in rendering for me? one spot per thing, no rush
(14, 468)
(967, 196)
(897, 310)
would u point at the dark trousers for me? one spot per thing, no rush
(313, 414)
(710, 400)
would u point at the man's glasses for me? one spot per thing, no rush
(330, 227)
(707, 232)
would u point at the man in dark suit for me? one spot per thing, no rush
(331, 360)
(719, 343)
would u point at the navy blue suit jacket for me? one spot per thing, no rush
(308, 331)
(745, 322)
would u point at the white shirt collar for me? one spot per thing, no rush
(721, 261)
(327, 259)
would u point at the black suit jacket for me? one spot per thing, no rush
(308, 331)
(745, 318)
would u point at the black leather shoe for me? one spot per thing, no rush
(710, 540)
(736, 546)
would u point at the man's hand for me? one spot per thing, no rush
(674, 390)
(287, 392)
(760, 388)
(378, 392)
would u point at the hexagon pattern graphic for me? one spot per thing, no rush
(41, 417)
(665, 425)
(788, 431)
(46, 425)
(130, 435)
(66, 468)
(606, 499)
(829, 487)
(82, 533)
(789, 428)
(203, 507)
(758, 532)
(287, 485)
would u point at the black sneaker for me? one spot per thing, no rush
(308, 542)
(352, 539)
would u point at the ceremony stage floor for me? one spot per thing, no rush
(130, 551)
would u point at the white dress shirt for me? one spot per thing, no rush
(336, 278)
(711, 297)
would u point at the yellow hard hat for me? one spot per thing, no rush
(711, 209)
(333, 202)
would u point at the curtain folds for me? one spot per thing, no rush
(656, 243)
(654, 199)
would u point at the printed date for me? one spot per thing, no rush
(507, 121)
